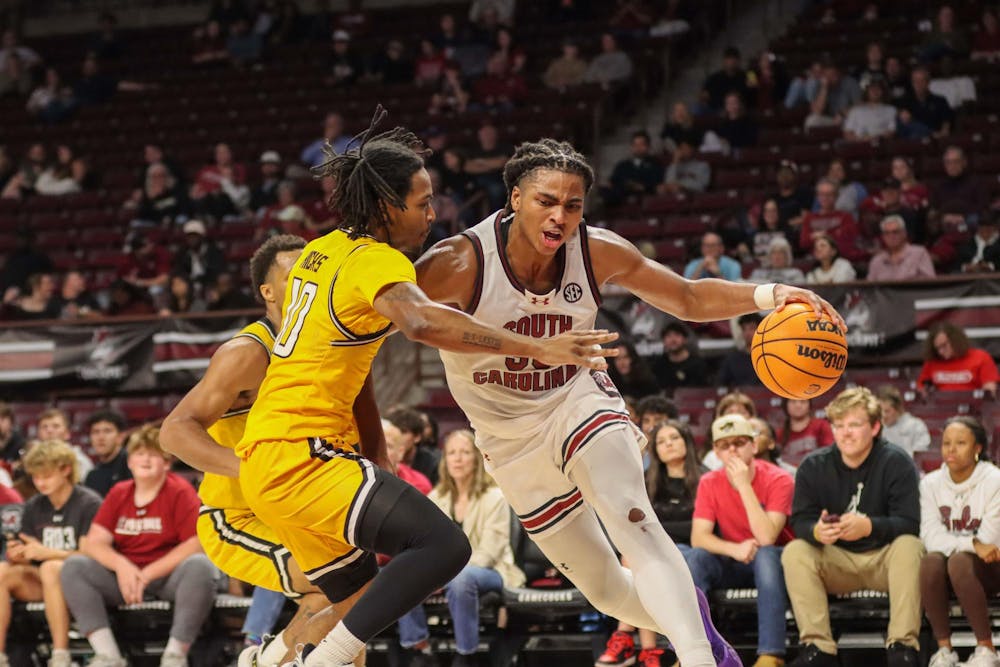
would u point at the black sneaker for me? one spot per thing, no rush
(901, 655)
(810, 656)
(464, 660)
(424, 658)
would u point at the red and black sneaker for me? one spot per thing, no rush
(620, 651)
(650, 657)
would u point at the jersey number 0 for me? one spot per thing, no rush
(302, 297)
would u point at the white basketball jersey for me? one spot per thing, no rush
(513, 397)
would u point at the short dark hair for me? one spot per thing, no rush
(676, 327)
(891, 395)
(546, 154)
(407, 420)
(659, 404)
(641, 134)
(731, 52)
(111, 416)
(263, 259)
(373, 175)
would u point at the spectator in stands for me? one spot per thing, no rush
(75, 299)
(392, 67)
(737, 129)
(630, 373)
(766, 225)
(793, 200)
(424, 460)
(10, 45)
(429, 66)
(25, 260)
(654, 409)
(897, 82)
(679, 366)
(736, 369)
(914, 194)
(981, 253)
(958, 89)
(872, 118)
(733, 403)
(850, 193)
(898, 426)
(220, 188)
(922, 113)
(264, 193)
(899, 259)
(225, 294)
(856, 513)
(107, 439)
(209, 45)
(35, 161)
(448, 36)
(467, 494)
(227, 12)
(147, 265)
(952, 364)
(680, 127)
(398, 447)
(492, 12)
(671, 482)
(839, 225)
(52, 101)
(686, 172)
(486, 162)
(182, 297)
(162, 201)
(874, 67)
(500, 89)
(154, 154)
(766, 443)
(66, 175)
(945, 39)
(460, 186)
(39, 303)
(779, 265)
(713, 262)
(243, 45)
(612, 67)
(836, 94)
(344, 66)
(142, 541)
(128, 299)
(15, 78)
(566, 71)
(451, 95)
(748, 502)
(200, 260)
(635, 176)
(960, 197)
(768, 83)
(889, 202)
(804, 88)
(803, 431)
(732, 78)
(986, 42)
(106, 43)
(333, 133)
(52, 523)
(960, 529)
(508, 52)
(95, 87)
(53, 424)
(11, 439)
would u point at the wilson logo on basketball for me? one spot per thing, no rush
(823, 325)
(825, 357)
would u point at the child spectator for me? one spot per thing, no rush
(767, 444)
(53, 424)
(952, 364)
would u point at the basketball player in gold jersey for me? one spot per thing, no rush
(301, 471)
(205, 427)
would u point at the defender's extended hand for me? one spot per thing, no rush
(582, 348)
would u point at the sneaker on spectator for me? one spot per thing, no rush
(101, 660)
(769, 661)
(173, 659)
(810, 656)
(422, 658)
(60, 658)
(983, 656)
(650, 657)
(945, 657)
(464, 660)
(901, 655)
(620, 651)
(4, 660)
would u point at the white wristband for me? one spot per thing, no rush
(763, 296)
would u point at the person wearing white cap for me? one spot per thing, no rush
(749, 500)
(200, 260)
(265, 193)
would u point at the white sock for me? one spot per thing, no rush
(273, 651)
(176, 646)
(103, 642)
(60, 651)
(339, 647)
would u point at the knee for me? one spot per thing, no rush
(799, 555)
(463, 582)
(906, 551)
(933, 565)
(199, 568)
(73, 569)
(961, 566)
(767, 562)
(50, 571)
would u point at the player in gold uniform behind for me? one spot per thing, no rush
(204, 429)
(302, 472)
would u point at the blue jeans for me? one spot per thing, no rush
(765, 573)
(462, 594)
(263, 613)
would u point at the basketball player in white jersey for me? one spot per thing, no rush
(558, 440)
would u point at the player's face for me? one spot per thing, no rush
(460, 458)
(670, 445)
(53, 428)
(854, 434)
(959, 448)
(104, 438)
(147, 465)
(278, 275)
(49, 482)
(548, 208)
(410, 227)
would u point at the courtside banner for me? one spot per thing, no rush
(121, 357)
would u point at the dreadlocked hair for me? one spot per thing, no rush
(371, 176)
(545, 154)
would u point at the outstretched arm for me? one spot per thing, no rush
(238, 367)
(618, 261)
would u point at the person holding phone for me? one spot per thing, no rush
(856, 512)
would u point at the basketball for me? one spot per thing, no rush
(797, 354)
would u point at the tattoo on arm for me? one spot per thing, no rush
(481, 340)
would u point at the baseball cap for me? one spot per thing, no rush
(270, 156)
(788, 164)
(194, 227)
(341, 36)
(731, 426)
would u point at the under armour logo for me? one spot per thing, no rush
(544, 300)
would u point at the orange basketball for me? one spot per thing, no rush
(797, 354)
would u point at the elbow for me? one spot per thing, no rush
(418, 330)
